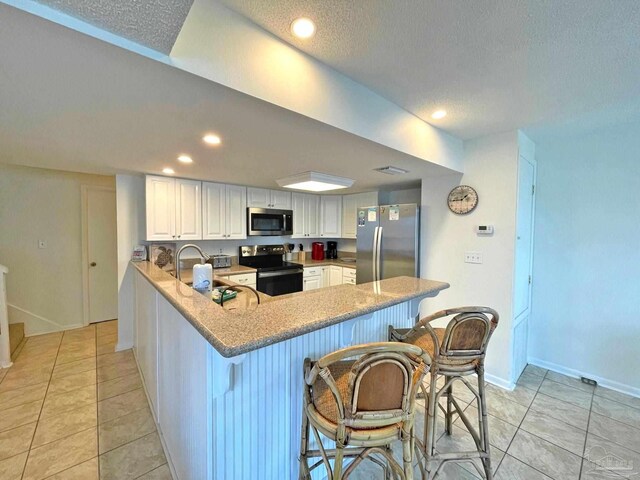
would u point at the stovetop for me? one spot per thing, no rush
(282, 266)
(265, 258)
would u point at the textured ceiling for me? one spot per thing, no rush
(72, 102)
(494, 65)
(152, 23)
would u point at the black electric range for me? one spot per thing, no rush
(274, 275)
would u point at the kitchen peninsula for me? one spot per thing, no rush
(225, 385)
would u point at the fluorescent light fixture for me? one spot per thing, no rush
(303, 28)
(315, 182)
(211, 139)
(185, 159)
(439, 114)
(168, 171)
(390, 170)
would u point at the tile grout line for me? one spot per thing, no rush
(584, 446)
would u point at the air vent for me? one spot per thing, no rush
(389, 170)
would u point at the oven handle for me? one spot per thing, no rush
(280, 274)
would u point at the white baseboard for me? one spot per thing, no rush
(124, 346)
(61, 328)
(602, 382)
(499, 382)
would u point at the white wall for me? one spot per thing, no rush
(44, 285)
(490, 165)
(586, 285)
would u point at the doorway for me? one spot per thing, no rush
(100, 261)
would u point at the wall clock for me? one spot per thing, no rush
(462, 199)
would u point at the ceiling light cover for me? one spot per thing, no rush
(303, 28)
(439, 114)
(185, 159)
(211, 139)
(391, 170)
(168, 171)
(315, 182)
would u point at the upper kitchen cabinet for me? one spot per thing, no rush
(224, 211)
(306, 215)
(265, 198)
(173, 209)
(331, 216)
(350, 204)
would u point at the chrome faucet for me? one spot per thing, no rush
(203, 255)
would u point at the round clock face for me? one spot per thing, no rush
(462, 199)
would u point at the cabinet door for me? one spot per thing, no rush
(299, 204)
(213, 210)
(331, 216)
(349, 215)
(160, 208)
(325, 276)
(236, 212)
(258, 197)
(335, 275)
(311, 283)
(312, 216)
(188, 210)
(280, 200)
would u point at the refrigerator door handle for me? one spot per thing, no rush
(379, 248)
(374, 251)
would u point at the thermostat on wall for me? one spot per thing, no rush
(484, 229)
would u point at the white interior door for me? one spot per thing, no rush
(101, 254)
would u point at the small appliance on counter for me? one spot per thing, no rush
(202, 278)
(317, 251)
(332, 250)
(220, 261)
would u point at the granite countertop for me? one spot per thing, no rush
(234, 332)
(308, 262)
(233, 270)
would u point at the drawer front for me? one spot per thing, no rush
(244, 278)
(349, 272)
(349, 280)
(312, 272)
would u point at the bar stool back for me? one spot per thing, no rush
(363, 405)
(457, 351)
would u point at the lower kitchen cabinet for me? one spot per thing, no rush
(248, 279)
(335, 275)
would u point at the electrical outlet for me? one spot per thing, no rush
(42, 244)
(472, 257)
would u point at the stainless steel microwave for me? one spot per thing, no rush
(268, 221)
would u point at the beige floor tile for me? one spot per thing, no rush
(554, 431)
(116, 370)
(125, 429)
(56, 427)
(17, 440)
(133, 459)
(504, 409)
(545, 457)
(19, 379)
(120, 405)
(541, 372)
(108, 348)
(513, 469)
(33, 361)
(118, 386)
(85, 471)
(20, 396)
(618, 397)
(62, 454)
(519, 394)
(107, 328)
(609, 408)
(72, 382)
(63, 402)
(107, 339)
(84, 332)
(620, 433)
(77, 347)
(3, 372)
(160, 473)
(570, 382)
(500, 432)
(461, 441)
(11, 468)
(567, 394)
(45, 337)
(74, 367)
(530, 381)
(20, 415)
(74, 356)
(601, 451)
(591, 471)
(115, 357)
(563, 411)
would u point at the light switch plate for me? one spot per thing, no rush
(42, 244)
(472, 257)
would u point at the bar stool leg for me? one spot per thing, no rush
(337, 466)
(304, 444)
(430, 430)
(449, 415)
(407, 455)
(484, 425)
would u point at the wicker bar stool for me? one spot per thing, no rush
(457, 352)
(363, 405)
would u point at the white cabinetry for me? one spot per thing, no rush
(173, 209)
(350, 204)
(312, 278)
(265, 198)
(335, 275)
(223, 211)
(331, 216)
(248, 279)
(305, 215)
(349, 275)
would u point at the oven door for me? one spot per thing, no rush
(279, 282)
(265, 221)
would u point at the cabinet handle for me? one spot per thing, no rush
(179, 236)
(173, 236)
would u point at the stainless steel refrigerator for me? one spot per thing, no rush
(388, 242)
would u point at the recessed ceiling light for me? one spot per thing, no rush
(211, 139)
(439, 114)
(185, 159)
(168, 171)
(303, 28)
(315, 182)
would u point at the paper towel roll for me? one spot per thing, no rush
(202, 277)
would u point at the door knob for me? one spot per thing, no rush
(93, 264)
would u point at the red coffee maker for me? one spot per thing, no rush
(317, 251)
